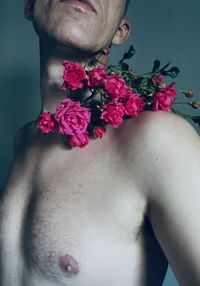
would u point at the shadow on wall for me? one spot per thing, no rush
(19, 102)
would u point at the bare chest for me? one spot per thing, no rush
(83, 209)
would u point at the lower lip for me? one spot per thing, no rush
(76, 3)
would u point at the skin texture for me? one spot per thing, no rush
(113, 211)
(86, 203)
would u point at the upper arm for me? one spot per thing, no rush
(173, 192)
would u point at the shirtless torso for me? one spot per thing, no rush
(77, 217)
(108, 214)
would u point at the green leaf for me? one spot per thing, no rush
(156, 66)
(173, 72)
(129, 54)
(124, 66)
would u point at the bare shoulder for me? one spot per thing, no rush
(158, 139)
(166, 135)
(160, 129)
(163, 122)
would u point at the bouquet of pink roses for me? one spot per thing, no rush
(116, 93)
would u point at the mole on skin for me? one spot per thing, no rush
(69, 265)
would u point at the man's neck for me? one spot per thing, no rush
(51, 76)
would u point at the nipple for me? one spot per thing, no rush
(69, 265)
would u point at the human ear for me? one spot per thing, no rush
(28, 9)
(122, 33)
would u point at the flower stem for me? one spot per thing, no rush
(180, 102)
(91, 96)
(181, 114)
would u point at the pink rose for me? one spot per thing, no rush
(195, 104)
(188, 93)
(74, 76)
(157, 78)
(96, 76)
(169, 89)
(72, 118)
(129, 91)
(115, 86)
(47, 123)
(113, 113)
(79, 140)
(134, 105)
(99, 132)
(163, 99)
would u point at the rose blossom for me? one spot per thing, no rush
(99, 132)
(96, 76)
(129, 90)
(72, 118)
(157, 78)
(196, 104)
(47, 123)
(79, 140)
(164, 99)
(169, 89)
(134, 105)
(74, 76)
(113, 113)
(115, 86)
(188, 93)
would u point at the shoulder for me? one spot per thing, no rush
(157, 130)
(164, 122)
(158, 141)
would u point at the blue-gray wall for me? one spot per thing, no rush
(168, 30)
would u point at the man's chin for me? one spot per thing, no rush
(74, 39)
